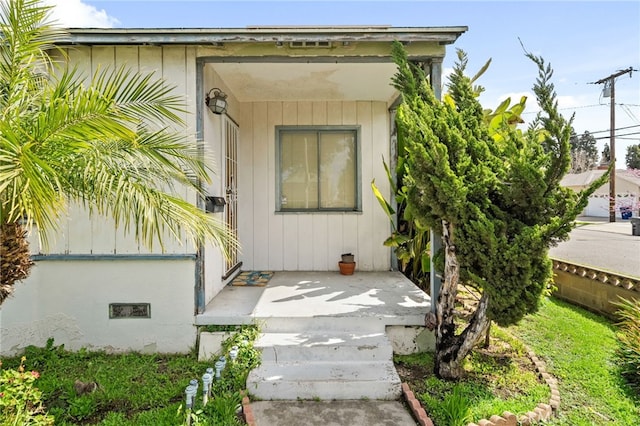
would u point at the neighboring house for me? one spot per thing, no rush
(627, 184)
(309, 120)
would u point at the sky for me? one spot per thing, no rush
(584, 41)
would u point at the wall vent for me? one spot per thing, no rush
(306, 44)
(129, 310)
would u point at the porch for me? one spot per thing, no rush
(378, 299)
(326, 335)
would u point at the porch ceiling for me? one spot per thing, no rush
(308, 81)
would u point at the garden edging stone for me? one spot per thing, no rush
(541, 412)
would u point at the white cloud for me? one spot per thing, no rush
(75, 13)
(569, 102)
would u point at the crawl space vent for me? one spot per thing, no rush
(301, 44)
(129, 310)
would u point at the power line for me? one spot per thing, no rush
(617, 136)
(582, 107)
(618, 128)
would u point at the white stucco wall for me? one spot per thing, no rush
(69, 301)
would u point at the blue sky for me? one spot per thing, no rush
(583, 40)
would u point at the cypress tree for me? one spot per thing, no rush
(493, 196)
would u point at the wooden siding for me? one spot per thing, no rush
(310, 241)
(81, 234)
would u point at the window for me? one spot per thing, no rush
(317, 168)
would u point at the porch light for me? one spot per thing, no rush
(217, 102)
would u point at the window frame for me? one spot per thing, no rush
(356, 129)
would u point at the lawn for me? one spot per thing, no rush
(577, 346)
(87, 387)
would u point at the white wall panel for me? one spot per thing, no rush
(380, 140)
(334, 246)
(290, 222)
(276, 222)
(103, 234)
(75, 312)
(351, 222)
(306, 236)
(245, 186)
(261, 190)
(80, 234)
(300, 241)
(367, 150)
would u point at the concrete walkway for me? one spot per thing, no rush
(332, 413)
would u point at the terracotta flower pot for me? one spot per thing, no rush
(347, 268)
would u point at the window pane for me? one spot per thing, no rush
(299, 170)
(338, 170)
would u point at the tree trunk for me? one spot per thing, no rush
(15, 259)
(451, 349)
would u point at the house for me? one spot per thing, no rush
(309, 118)
(627, 183)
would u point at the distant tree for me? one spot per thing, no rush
(606, 154)
(496, 201)
(633, 157)
(584, 153)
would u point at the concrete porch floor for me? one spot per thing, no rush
(385, 297)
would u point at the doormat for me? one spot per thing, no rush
(252, 278)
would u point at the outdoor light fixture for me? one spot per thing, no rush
(190, 393)
(218, 366)
(207, 379)
(233, 353)
(217, 102)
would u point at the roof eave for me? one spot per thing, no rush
(216, 36)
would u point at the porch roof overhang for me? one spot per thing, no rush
(255, 63)
(216, 36)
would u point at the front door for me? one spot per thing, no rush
(230, 135)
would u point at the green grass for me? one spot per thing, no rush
(579, 349)
(135, 389)
(496, 381)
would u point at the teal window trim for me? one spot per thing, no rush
(279, 130)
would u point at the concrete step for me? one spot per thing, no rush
(345, 324)
(324, 380)
(324, 346)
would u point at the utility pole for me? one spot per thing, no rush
(610, 83)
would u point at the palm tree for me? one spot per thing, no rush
(107, 145)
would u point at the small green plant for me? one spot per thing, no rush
(456, 408)
(224, 408)
(628, 336)
(82, 407)
(20, 401)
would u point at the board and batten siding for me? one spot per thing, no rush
(310, 241)
(67, 295)
(81, 234)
